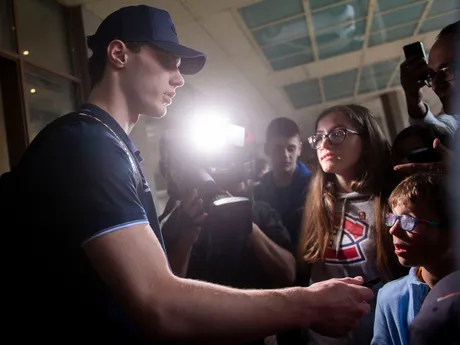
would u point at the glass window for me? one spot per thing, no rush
(47, 98)
(43, 34)
(6, 26)
(4, 158)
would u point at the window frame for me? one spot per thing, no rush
(16, 111)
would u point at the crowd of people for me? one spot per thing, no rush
(356, 250)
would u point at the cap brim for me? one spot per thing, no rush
(192, 62)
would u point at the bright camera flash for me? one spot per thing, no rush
(209, 133)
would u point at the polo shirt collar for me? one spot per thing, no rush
(105, 117)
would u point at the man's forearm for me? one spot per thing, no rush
(179, 257)
(199, 311)
(276, 261)
(416, 109)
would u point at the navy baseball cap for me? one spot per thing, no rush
(146, 24)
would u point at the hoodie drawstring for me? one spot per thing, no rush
(341, 229)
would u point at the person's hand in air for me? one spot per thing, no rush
(441, 166)
(413, 74)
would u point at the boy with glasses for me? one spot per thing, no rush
(419, 224)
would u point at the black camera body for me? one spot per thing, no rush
(212, 175)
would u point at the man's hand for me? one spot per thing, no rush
(413, 72)
(337, 305)
(439, 167)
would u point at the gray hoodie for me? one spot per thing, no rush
(352, 252)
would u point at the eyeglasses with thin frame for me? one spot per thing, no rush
(336, 137)
(447, 74)
(406, 222)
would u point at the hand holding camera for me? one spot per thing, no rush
(192, 216)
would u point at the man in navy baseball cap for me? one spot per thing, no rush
(137, 47)
(95, 267)
(149, 25)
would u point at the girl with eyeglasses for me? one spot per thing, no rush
(343, 232)
(419, 224)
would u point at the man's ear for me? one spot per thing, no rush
(300, 149)
(117, 54)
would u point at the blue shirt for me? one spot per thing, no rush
(398, 303)
(287, 201)
(77, 184)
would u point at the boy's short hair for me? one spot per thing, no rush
(282, 127)
(428, 188)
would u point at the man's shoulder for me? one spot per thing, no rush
(73, 133)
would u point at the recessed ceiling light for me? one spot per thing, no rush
(25, 52)
(33, 90)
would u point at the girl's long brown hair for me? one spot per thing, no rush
(375, 177)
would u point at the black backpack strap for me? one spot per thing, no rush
(77, 117)
(138, 175)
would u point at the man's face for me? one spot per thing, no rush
(283, 152)
(150, 80)
(441, 56)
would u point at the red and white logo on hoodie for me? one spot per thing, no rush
(354, 232)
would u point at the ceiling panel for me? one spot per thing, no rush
(343, 32)
(398, 16)
(289, 48)
(376, 77)
(339, 85)
(281, 32)
(397, 79)
(443, 6)
(317, 4)
(268, 11)
(281, 29)
(392, 34)
(304, 94)
(439, 22)
(388, 5)
(291, 61)
(340, 47)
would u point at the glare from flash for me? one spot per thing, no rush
(209, 133)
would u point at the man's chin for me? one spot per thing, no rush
(156, 113)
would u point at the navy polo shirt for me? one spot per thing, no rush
(76, 183)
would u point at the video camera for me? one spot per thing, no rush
(210, 154)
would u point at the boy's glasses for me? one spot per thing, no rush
(406, 222)
(336, 137)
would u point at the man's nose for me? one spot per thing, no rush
(177, 80)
